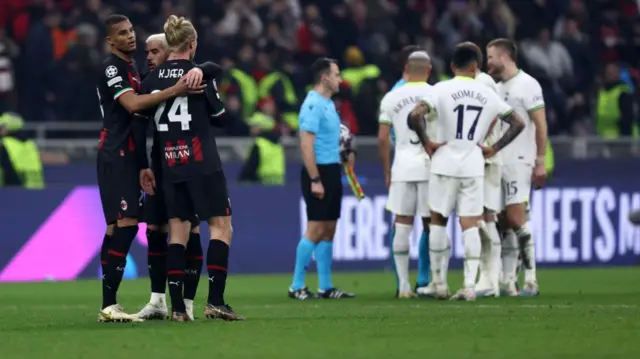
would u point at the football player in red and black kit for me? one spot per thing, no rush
(155, 213)
(118, 168)
(193, 182)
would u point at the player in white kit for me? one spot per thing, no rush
(465, 110)
(490, 260)
(408, 179)
(523, 161)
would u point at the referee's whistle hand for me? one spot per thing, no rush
(317, 190)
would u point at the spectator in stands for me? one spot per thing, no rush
(584, 67)
(238, 14)
(253, 36)
(576, 12)
(311, 35)
(8, 53)
(458, 23)
(549, 55)
(76, 99)
(38, 62)
(498, 21)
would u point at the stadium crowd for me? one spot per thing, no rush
(50, 48)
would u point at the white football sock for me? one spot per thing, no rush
(188, 304)
(157, 298)
(525, 240)
(472, 248)
(438, 244)
(495, 262)
(485, 254)
(444, 263)
(401, 254)
(509, 256)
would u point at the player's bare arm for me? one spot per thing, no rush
(384, 148)
(133, 102)
(539, 118)
(516, 125)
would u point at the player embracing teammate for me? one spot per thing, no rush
(193, 180)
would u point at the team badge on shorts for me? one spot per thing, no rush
(124, 205)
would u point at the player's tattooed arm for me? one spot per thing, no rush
(416, 122)
(516, 125)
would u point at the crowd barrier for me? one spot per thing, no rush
(579, 220)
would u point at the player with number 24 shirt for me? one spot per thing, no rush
(187, 145)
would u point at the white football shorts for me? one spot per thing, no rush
(464, 194)
(516, 183)
(409, 199)
(493, 187)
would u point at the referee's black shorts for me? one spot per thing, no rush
(328, 208)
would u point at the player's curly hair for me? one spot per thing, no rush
(179, 32)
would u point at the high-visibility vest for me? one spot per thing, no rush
(264, 91)
(272, 165)
(608, 112)
(249, 90)
(25, 158)
(357, 75)
(261, 120)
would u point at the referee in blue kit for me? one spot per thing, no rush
(321, 181)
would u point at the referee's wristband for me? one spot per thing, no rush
(315, 180)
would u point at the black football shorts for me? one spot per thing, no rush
(154, 207)
(328, 208)
(119, 186)
(205, 196)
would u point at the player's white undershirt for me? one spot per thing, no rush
(524, 94)
(495, 131)
(410, 162)
(465, 109)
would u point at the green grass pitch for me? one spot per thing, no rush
(582, 313)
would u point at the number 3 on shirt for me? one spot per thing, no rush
(178, 112)
(461, 110)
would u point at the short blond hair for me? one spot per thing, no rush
(179, 32)
(506, 45)
(158, 37)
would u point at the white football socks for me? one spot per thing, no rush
(439, 251)
(528, 249)
(472, 248)
(495, 262)
(401, 255)
(157, 298)
(444, 262)
(509, 256)
(485, 254)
